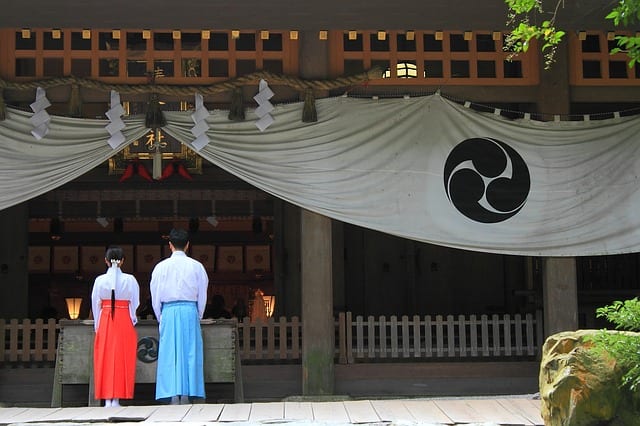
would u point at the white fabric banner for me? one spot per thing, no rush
(422, 168)
(381, 164)
(30, 167)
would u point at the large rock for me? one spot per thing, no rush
(579, 387)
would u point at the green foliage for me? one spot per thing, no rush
(627, 12)
(521, 14)
(625, 315)
(629, 45)
(623, 347)
(524, 6)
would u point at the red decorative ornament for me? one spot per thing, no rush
(167, 171)
(128, 172)
(182, 171)
(138, 168)
(142, 171)
(175, 167)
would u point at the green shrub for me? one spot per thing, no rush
(623, 347)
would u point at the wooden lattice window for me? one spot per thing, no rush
(592, 64)
(135, 55)
(431, 57)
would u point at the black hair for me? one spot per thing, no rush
(179, 238)
(114, 253)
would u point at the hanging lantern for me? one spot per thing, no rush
(73, 306)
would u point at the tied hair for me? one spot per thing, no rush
(114, 264)
(113, 302)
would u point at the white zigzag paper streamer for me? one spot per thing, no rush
(40, 118)
(116, 124)
(264, 106)
(199, 117)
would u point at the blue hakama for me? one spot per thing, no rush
(180, 354)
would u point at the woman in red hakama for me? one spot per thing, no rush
(114, 300)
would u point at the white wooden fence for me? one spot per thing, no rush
(270, 340)
(361, 339)
(28, 341)
(420, 337)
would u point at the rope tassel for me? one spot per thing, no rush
(309, 113)
(75, 101)
(236, 109)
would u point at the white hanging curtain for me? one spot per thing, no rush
(422, 168)
(557, 189)
(72, 146)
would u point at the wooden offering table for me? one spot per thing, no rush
(74, 359)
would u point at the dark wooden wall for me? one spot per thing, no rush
(285, 14)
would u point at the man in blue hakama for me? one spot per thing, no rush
(179, 296)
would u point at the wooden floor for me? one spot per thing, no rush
(454, 411)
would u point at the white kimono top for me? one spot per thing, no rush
(126, 288)
(178, 277)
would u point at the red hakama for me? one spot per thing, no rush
(114, 356)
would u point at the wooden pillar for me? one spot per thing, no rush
(316, 258)
(338, 282)
(560, 294)
(14, 276)
(317, 305)
(554, 90)
(559, 276)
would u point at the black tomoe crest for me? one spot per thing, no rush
(148, 349)
(486, 180)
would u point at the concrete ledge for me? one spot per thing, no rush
(33, 386)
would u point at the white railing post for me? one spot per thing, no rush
(507, 334)
(484, 327)
(451, 336)
(518, 325)
(394, 336)
(349, 327)
(417, 346)
(376, 338)
(439, 336)
(428, 337)
(495, 328)
(473, 334)
(382, 326)
(462, 335)
(359, 337)
(371, 337)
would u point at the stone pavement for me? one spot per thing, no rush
(516, 410)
